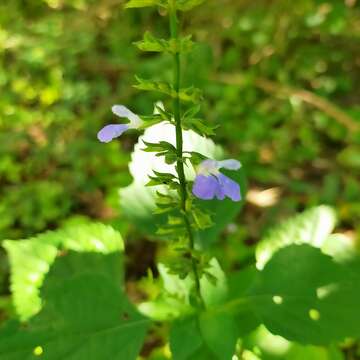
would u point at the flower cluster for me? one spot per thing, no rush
(209, 182)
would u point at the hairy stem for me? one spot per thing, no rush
(179, 149)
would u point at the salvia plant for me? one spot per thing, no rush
(209, 182)
(67, 285)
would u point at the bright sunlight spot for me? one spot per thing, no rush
(314, 314)
(38, 351)
(278, 299)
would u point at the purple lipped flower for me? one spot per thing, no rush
(112, 131)
(210, 183)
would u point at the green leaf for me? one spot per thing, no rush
(152, 85)
(207, 336)
(85, 317)
(150, 121)
(305, 296)
(311, 227)
(153, 44)
(237, 302)
(91, 237)
(186, 342)
(212, 327)
(30, 260)
(190, 94)
(79, 263)
(201, 218)
(144, 3)
(196, 158)
(199, 127)
(161, 178)
(158, 147)
(138, 202)
(189, 122)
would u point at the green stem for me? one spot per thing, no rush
(179, 149)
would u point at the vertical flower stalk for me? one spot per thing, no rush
(210, 183)
(179, 147)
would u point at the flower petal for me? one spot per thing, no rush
(230, 164)
(220, 193)
(206, 187)
(123, 112)
(110, 132)
(230, 188)
(208, 167)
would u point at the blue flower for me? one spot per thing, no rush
(210, 183)
(112, 131)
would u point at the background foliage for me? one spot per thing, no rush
(281, 80)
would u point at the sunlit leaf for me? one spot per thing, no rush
(31, 259)
(311, 227)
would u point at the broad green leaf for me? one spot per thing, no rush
(79, 263)
(92, 237)
(86, 317)
(206, 336)
(311, 227)
(138, 201)
(219, 332)
(305, 296)
(186, 342)
(30, 260)
(237, 302)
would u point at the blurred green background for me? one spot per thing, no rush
(281, 78)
